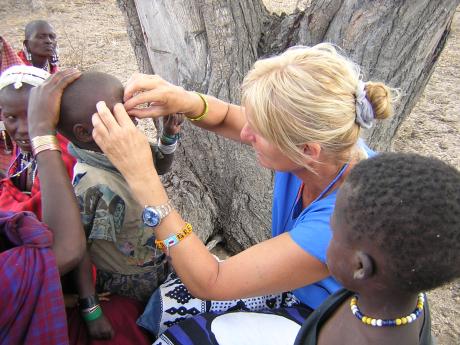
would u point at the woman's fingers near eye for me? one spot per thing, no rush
(105, 115)
(100, 131)
(122, 116)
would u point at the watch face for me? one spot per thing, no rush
(151, 217)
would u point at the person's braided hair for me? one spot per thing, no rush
(409, 206)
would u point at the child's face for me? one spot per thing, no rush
(13, 104)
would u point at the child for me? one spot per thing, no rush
(119, 245)
(395, 235)
(20, 189)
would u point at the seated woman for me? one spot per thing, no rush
(303, 114)
(40, 46)
(32, 254)
(391, 204)
(20, 189)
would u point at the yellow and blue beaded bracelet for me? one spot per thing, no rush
(174, 239)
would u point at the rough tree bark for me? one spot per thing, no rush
(209, 45)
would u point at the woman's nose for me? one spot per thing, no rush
(23, 128)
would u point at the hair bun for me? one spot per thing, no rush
(380, 97)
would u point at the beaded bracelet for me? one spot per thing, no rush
(88, 302)
(205, 111)
(94, 314)
(169, 139)
(167, 149)
(90, 308)
(175, 238)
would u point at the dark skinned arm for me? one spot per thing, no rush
(59, 205)
(100, 328)
(171, 127)
(162, 162)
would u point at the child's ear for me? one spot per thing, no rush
(82, 133)
(364, 266)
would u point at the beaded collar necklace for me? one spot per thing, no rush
(46, 67)
(21, 163)
(389, 322)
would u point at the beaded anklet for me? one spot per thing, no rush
(390, 322)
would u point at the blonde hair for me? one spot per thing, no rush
(308, 95)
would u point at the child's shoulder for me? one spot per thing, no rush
(308, 334)
(330, 324)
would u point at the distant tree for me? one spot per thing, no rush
(209, 45)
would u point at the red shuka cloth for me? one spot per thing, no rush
(8, 57)
(12, 199)
(122, 312)
(22, 56)
(31, 307)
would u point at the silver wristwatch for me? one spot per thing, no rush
(152, 215)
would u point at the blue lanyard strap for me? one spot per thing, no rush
(330, 185)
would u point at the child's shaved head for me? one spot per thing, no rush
(78, 104)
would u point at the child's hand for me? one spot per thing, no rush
(103, 296)
(172, 123)
(100, 328)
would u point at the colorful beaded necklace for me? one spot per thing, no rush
(390, 322)
(22, 163)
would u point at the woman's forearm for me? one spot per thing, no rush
(196, 266)
(223, 118)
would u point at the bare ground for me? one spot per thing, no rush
(92, 36)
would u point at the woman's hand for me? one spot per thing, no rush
(158, 97)
(126, 147)
(45, 102)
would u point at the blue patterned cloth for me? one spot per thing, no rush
(172, 303)
(269, 327)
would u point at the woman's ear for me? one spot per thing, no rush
(364, 266)
(313, 150)
(82, 133)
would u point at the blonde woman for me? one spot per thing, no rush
(302, 113)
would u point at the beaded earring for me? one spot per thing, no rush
(55, 57)
(27, 54)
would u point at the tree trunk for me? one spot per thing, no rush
(209, 45)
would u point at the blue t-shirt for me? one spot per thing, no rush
(309, 228)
